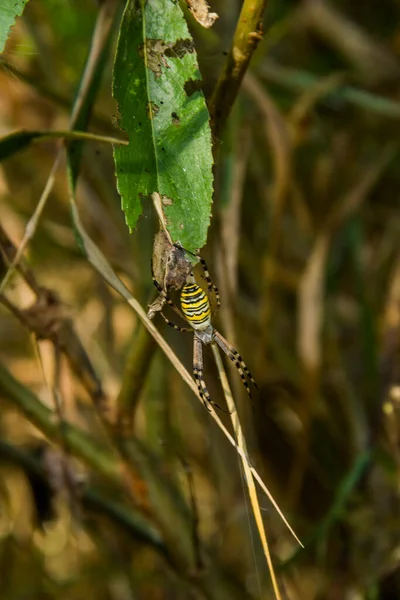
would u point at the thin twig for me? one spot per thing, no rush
(33, 221)
(160, 213)
(247, 472)
(36, 136)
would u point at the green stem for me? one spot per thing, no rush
(247, 35)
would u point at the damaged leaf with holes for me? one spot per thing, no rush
(157, 85)
(9, 11)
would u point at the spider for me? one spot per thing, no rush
(195, 306)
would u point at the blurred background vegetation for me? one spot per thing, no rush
(304, 246)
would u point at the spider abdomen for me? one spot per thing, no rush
(195, 306)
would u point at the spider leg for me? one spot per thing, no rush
(198, 368)
(236, 359)
(210, 284)
(171, 324)
(162, 291)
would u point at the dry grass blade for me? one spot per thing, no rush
(102, 266)
(247, 472)
(390, 363)
(310, 307)
(33, 222)
(155, 196)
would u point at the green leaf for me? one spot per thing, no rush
(162, 108)
(9, 10)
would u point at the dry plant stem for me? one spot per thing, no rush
(33, 221)
(102, 30)
(102, 266)
(9, 251)
(137, 366)
(43, 135)
(247, 473)
(190, 382)
(160, 213)
(14, 310)
(247, 35)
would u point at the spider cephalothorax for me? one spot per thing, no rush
(195, 306)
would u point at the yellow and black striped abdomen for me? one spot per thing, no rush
(195, 306)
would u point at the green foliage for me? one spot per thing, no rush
(161, 107)
(9, 10)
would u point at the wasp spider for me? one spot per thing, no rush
(195, 306)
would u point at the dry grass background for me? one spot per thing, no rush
(304, 246)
